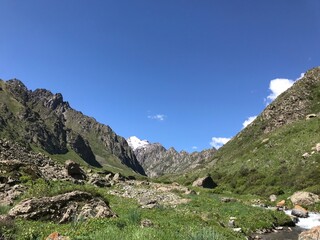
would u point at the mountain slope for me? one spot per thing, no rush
(277, 152)
(157, 160)
(43, 120)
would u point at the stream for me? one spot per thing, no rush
(293, 232)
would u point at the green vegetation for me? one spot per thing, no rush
(266, 157)
(204, 217)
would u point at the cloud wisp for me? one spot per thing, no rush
(218, 142)
(278, 86)
(248, 121)
(158, 117)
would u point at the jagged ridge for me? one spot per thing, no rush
(43, 119)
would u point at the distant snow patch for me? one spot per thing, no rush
(218, 142)
(135, 142)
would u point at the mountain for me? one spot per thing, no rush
(279, 151)
(157, 160)
(43, 121)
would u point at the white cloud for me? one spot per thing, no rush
(278, 86)
(248, 121)
(194, 147)
(159, 117)
(218, 142)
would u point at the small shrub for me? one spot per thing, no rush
(134, 216)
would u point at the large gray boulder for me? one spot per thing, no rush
(62, 208)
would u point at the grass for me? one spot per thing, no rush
(204, 217)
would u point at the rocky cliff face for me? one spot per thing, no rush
(157, 160)
(43, 119)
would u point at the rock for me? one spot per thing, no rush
(238, 230)
(146, 202)
(273, 198)
(317, 147)
(299, 211)
(281, 204)
(62, 208)
(232, 223)
(118, 177)
(74, 170)
(312, 234)
(146, 223)
(190, 192)
(306, 155)
(205, 182)
(309, 116)
(227, 199)
(57, 236)
(304, 198)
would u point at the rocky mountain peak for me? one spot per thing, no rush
(43, 119)
(157, 160)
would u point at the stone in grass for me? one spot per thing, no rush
(299, 211)
(57, 236)
(146, 223)
(312, 234)
(205, 182)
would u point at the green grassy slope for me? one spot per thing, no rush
(266, 157)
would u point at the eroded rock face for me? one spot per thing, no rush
(205, 182)
(304, 198)
(62, 208)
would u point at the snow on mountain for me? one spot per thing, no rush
(135, 142)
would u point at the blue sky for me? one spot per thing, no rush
(176, 72)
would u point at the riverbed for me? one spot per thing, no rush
(293, 233)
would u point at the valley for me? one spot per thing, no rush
(66, 176)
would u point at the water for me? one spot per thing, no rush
(306, 223)
(293, 233)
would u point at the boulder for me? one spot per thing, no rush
(74, 170)
(146, 223)
(62, 208)
(309, 116)
(273, 198)
(312, 234)
(317, 147)
(57, 236)
(304, 198)
(205, 182)
(299, 211)
(282, 203)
